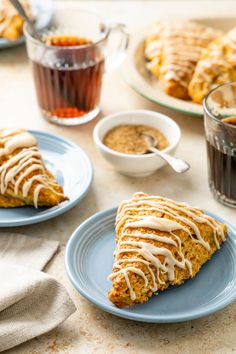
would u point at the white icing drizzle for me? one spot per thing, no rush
(21, 140)
(132, 293)
(216, 64)
(163, 239)
(170, 213)
(133, 260)
(147, 253)
(21, 164)
(178, 43)
(163, 204)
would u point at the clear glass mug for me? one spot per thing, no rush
(68, 78)
(220, 130)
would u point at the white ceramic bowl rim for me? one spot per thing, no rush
(146, 112)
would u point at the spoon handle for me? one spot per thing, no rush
(20, 9)
(178, 165)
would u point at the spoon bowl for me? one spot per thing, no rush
(178, 165)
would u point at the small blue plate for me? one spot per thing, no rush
(89, 261)
(43, 11)
(72, 170)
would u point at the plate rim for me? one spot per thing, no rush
(160, 103)
(64, 207)
(134, 316)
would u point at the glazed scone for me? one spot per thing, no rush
(160, 243)
(11, 23)
(24, 179)
(216, 66)
(172, 52)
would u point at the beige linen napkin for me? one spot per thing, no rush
(31, 302)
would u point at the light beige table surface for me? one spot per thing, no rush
(91, 330)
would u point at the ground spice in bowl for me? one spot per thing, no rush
(128, 138)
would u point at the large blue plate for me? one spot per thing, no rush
(43, 11)
(89, 261)
(72, 169)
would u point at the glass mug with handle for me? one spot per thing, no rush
(69, 60)
(220, 130)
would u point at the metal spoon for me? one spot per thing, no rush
(178, 165)
(22, 13)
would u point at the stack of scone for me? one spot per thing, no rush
(190, 59)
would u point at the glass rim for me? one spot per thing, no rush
(210, 114)
(31, 38)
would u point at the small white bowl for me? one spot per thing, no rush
(136, 165)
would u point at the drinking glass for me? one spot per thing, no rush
(68, 77)
(220, 130)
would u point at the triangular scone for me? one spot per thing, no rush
(159, 243)
(24, 179)
(173, 50)
(216, 66)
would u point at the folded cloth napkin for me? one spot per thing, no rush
(31, 302)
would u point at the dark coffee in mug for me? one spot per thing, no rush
(220, 130)
(222, 167)
(221, 171)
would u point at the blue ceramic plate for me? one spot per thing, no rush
(89, 261)
(43, 11)
(72, 169)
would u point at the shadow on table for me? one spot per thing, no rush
(13, 56)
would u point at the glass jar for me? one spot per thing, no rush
(220, 130)
(67, 75)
